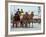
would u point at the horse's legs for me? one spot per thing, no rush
(16, 25)
(26, 24)
(21, 24)
(29, 24)
(32, 23)
(13, 23)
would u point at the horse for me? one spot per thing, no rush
(30, 19)
(27, 19)
(24, 20)
(16, 20)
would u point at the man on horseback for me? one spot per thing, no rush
(26, 18)
(32, 14)
(16, 18)
(21, 16)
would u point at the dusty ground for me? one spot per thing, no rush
(36, 26)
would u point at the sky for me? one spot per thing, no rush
(29, 9)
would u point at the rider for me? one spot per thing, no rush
(32, 14)
(16, 17)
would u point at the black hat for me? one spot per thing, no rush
(18, 8)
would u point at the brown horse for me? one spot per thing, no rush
(16, 20)
(24, 20)
(27, 19)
